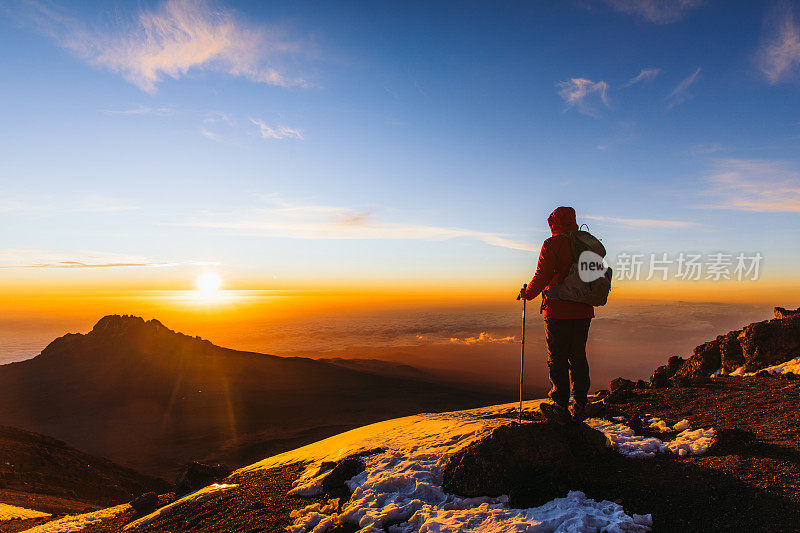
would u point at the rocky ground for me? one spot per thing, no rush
(749, 480)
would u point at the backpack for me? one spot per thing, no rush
(573, 288)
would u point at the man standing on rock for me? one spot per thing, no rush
(566, 323)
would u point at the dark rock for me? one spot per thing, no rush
(621, 383)
(732, 441)
(781, 312)
(730, 350)
(790, 376)
(145, 504)
(763, 374)
(770, 342)
(641, 384)
(602, 393)
(334, 483)
(198, 475)
(705, 360)
(621, 390)
(661, 377)
(682, 381)
(534, 461)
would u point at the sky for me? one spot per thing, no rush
(385, 150)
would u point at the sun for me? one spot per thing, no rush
(208, 284)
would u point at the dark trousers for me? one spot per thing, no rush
(566, 357)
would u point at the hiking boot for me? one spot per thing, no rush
(578, 412)
(555, 413)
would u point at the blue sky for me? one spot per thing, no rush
(420, 142)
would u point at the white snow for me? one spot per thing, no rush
(12, 512)
(683, 425)
(72, 523)
(625, 441)
(792, 365)
(402, 481)
(691, 442)
(659, 425)
(196, 496)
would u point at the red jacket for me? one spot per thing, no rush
(555, 260)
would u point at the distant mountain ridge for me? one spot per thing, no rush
(153, 399)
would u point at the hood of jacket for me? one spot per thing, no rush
(562, 220)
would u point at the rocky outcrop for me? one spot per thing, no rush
(661, 377)
(538, 459)
(198, 475)
(781, 312)
(754, 347)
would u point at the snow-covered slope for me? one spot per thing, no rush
(12, 512)
(400, 489)
(401, 485)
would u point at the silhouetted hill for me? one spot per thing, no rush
(153, 399)
(45, 474)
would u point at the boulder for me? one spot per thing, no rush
(145, 504)
(198, 475)
(536, 461)
(661, 376)
(621, 390)
(334, 483)
(641, 384)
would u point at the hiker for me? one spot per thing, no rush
(566, 323)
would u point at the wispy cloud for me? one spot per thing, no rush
(754, 185)
(143, 110)
(778, 56)
(647, 74)
(483, 338)
(656, 11)
(12, 258)
(642, 223)
(276, 132)
(577, 92)
(308, 221)
(624, 133)
(174, 38)
(210, 134)
(680, 93)
(91, 203)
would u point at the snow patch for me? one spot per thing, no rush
(627, 442)
(12, 512)
(659, 425)
(402, 482)
(574, 513)
(72, 523)
(683, 425)
(792, 365)
(194, 497)
(688, 442)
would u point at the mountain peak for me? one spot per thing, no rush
(119, 324)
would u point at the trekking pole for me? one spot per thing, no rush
(522, 353)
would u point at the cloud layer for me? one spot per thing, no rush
(170, 40)
(642, 223)
(12, 258)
